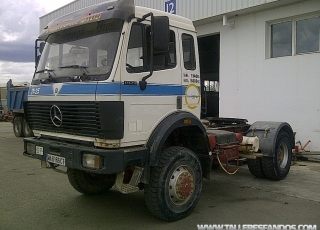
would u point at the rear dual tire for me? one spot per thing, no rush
(18, 126)
(21, 127)
(255, 167)
(27, 131)
(276, 167)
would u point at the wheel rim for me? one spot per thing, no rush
(181, 185)
(283, 154)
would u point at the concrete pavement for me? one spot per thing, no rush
(35, 198)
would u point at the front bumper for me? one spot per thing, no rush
(112, 160)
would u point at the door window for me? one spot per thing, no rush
(188, 52)
(138, 53)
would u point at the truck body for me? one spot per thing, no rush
(16, 96)
(116, 101)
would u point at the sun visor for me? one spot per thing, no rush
(121, 9)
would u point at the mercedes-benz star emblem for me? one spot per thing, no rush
(56, 116)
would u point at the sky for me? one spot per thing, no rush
(19, 27)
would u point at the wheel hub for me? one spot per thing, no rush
(282, 155)
(181, 186)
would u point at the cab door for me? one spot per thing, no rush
(191, 100)
(145, 108)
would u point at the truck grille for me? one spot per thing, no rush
(78, 118)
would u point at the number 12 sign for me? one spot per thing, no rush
(170, 6)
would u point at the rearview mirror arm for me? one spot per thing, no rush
(143, 83)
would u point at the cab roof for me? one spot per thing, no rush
(174, 20)
(121, 9)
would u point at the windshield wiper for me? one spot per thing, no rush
(45, 70)
(73, 66)
(50, 77)
(82, 68)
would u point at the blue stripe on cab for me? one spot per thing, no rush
(109, 88)
(43, 90)
(114, 88)
(164, 90)
(76, 89)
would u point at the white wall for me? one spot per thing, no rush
(256, 87)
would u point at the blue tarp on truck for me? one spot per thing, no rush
(16, 95)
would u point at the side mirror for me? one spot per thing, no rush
(161, 34)
(143, 85)
(160, 41)
(41, 47)
(38, 49)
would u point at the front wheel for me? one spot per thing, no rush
(90, 183)
(175, 184)
(278, 166)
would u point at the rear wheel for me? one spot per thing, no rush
(27, 132)
(17, 126)
(90, 183)
(175, 184)
(255, 167)
(278, 166)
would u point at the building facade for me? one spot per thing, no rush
(259, 59)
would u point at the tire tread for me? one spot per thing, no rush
(15, 123)
(269, 164)
(255, 167)
(152, 189)
(268, 168)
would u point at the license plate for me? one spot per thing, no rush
(56, 159)
(39, 150)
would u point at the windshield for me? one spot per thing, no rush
(82, 53)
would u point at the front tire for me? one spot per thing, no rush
(89, 183)
(278, 166)
(175, 184)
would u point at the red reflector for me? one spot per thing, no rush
(239, 137)
(212, 141)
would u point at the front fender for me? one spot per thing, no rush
(166, 127)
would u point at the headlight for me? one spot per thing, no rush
(90, 161)
(31, 148)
